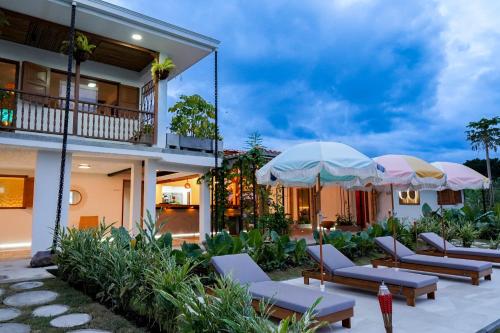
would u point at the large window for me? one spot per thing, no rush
(91, 90)
(16, 192)
(449, 197)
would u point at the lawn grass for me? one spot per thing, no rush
(102, 318)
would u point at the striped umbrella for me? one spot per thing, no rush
(317, 164)
(408, 172)
(460, 177)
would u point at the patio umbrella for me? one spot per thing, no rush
(460, 177)
(408, 172)
(320, 163)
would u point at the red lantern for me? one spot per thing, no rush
(385, 302)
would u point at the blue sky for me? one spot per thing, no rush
(385, 76)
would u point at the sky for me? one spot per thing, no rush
(384, 76)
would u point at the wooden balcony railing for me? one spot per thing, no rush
(27, 112)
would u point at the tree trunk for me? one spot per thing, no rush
(488, 169)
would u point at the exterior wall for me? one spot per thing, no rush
(408, 213)
(15, 224)
(101, 196)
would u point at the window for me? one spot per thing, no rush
(91, 90)
(16, 192)
(449, 197)
(178, 195)
(8, 78)
(409, 197)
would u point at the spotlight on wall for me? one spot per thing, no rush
(136, 37)
(91, 84)
(84, 166)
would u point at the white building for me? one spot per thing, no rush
(107, 175)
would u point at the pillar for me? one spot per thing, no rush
(204, 213)
(135, 197)
(150, 167)
(162, 117)
(46, 192)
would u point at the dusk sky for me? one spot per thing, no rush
(402, 77)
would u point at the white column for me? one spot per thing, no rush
(204, 212)
(163, 118)
(135, 196)
(150, 167)
(45, 198)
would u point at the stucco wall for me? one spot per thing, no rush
(101, 196)
(408, 213)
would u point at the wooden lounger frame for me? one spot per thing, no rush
(409, 293)
(281, 313)
(437, 253)
(474, 275)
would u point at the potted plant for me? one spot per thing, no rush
(144, 135)
(161, 70)
(82, 49)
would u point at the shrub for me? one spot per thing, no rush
(467, 233)
(276, 221)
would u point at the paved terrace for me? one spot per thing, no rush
(459, 307)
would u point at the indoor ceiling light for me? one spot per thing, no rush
(136, 37)
(84, 166)
(92, 84)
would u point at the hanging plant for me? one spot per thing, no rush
(161, 70)
(82, 49)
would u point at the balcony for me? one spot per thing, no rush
(27, 112)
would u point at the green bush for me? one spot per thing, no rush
(276, 221)
(144, 278)
(467, 233)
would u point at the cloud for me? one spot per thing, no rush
(385, 76)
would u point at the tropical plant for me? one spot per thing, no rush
(193, 116)
(485, 134)
(161, 70)
(344, 220)
(276, 220)
(82, 49)
(467, 233)
(227, 307)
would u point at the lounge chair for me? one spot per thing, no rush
(408, 259)
(339, 269)
(285, 299)
(452, 251)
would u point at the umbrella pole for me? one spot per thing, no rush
(393, 227)
(320, 218)
(442, 229)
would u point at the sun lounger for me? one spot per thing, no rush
(339, 269)
(452, 251)
(407, 259)
(285, 299)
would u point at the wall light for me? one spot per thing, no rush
(136, 37)
(91, 84)
(84, 166)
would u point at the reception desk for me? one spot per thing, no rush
(178, 219)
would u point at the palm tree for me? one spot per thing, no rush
(485, 134)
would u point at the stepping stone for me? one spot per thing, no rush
(89, 330)
(70, 320)
(29, 298)
(14, 328)
(27, 285)
(50, 310)
(9, 313)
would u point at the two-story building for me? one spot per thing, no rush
(121, 161)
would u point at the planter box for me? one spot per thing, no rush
(145, 139)
(175, 141)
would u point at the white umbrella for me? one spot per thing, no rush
(320, 163)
